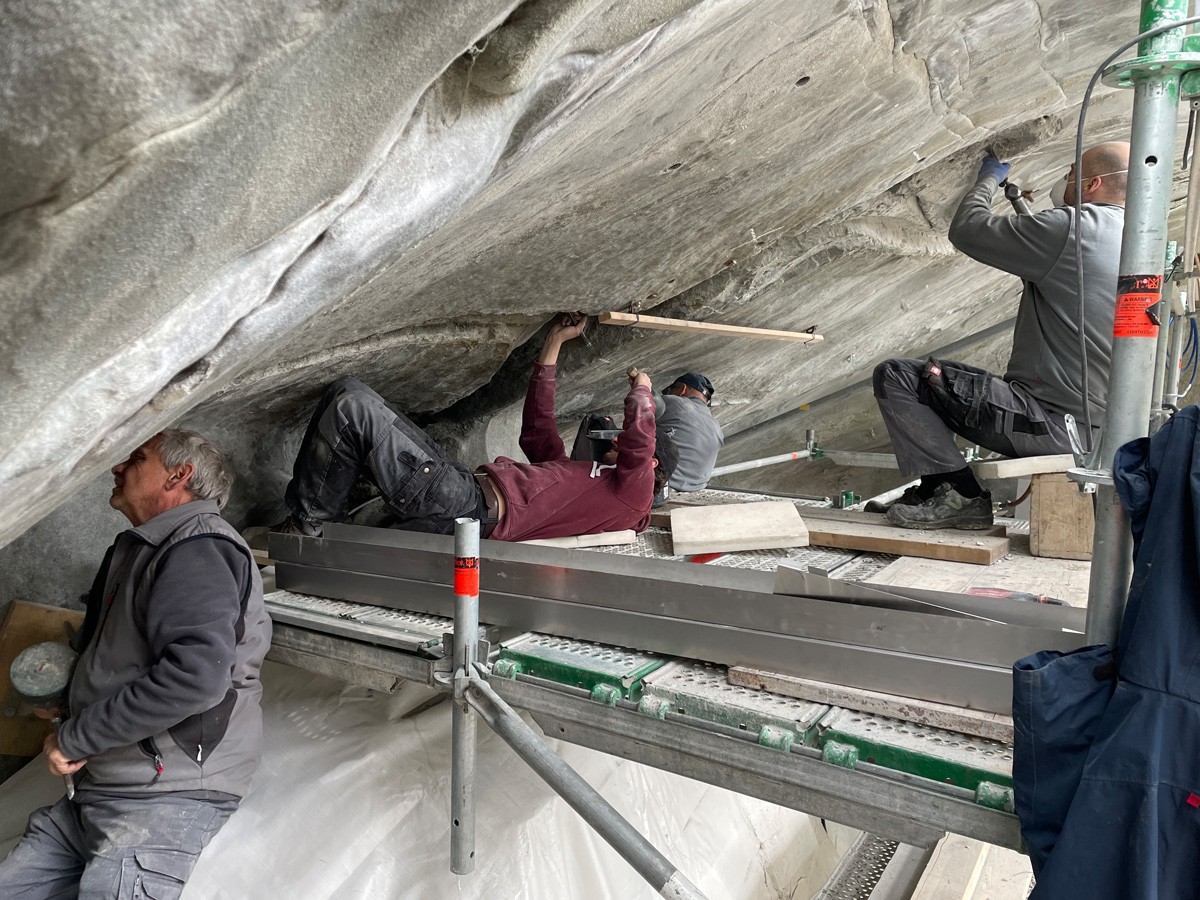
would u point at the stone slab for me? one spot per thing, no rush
(768, 525)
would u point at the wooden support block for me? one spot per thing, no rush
(992, 469)
(993, 726)
(712, 329)
(727, 527)
(979, 547)
(26, 624)
(1061, 519)
(603, 539)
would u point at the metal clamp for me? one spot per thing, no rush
(1089, 479)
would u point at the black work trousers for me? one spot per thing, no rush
(924, 413)
(355, 433)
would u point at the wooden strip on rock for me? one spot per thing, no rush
(714, 329)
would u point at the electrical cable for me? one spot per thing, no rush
(1087, 97)
(1194, 362)
(1187, 140)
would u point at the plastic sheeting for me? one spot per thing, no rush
(352, 801)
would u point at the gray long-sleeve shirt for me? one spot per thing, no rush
(1040, 250)
(697, 435)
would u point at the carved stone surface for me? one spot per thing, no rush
(208, 210)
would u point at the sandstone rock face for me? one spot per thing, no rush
(208, 210)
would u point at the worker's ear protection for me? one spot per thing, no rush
(594, 437)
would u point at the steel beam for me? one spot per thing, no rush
(958, 682)
(681, 590)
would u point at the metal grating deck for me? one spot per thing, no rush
(578, 663)
(934, 753)
(859, 871)
(411, 631)
(702, 690)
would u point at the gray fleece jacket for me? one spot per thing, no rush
(1040, 250)
(165, 696)
(697, 436)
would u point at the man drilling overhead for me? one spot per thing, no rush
(925, 403)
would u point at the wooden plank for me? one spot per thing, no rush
(976, 547)
(859, 517)
(993, 726)
(711, 329)
(26, 624)
(726, 527)
(1061, 520)
(1027, 465)
(603, 539)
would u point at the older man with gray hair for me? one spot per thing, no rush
(164, 726)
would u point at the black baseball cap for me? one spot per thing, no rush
(696, 382)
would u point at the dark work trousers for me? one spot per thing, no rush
(354, 432)
(923, 417)
(111, 849)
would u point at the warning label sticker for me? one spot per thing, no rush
(1135, 316)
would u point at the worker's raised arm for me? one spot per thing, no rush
(1025, 246)
(539, 430)
(635, 447)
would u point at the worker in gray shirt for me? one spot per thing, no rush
(925, 403)
(684, 411)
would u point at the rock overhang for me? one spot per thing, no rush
(408, 191)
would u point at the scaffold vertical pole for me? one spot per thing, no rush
(1135, 332)
(466, 642)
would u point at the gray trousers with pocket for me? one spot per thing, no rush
(111, 848)
(923, 413)
(355, 433)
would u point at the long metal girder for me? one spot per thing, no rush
(961, 683)
(736, 598)
(721, 615)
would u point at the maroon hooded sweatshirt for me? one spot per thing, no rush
(555, 496)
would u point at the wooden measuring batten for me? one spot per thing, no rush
(712, 329)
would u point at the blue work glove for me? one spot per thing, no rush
(992, 167)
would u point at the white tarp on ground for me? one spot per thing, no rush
(352, 801)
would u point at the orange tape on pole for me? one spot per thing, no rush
(466, 576)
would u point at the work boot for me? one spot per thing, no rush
(947, 508)
(910, 497)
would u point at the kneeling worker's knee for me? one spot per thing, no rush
(884, 376)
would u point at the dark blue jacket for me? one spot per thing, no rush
(1125, 790)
